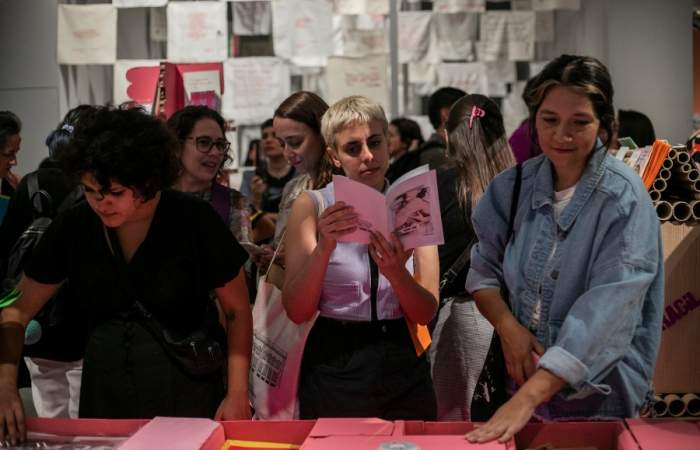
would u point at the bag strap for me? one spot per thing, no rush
(36, 194)
(515, 198)
(221, 201)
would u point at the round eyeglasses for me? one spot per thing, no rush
(204, 144)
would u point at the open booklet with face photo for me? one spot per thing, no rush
(409, 208)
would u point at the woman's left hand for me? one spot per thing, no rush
(508, 420)
(234, 407)
(390, 256)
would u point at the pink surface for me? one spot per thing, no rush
(85, 427)
(660, 434)
(289, 431)
(455, 442)
(352, 427)
(177, 434)
(603, 435)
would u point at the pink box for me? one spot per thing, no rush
(372, 434)
(246, 434)
(602, 435)
(665, 434)
(70, 428)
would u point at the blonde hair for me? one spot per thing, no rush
(348, 111)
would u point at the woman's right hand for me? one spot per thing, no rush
(335, 221)
(12, 425)
(520, 349)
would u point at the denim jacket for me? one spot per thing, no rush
(600, 288)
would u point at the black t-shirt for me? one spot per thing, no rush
(432, 152)
(457, 231)
(187, 252)
(273, 194)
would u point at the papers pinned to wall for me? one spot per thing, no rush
(469, 77)
(135, 80)
(454, 6)
(415, 36)
(550, 5)
(544, 26)
(350, 40)
(456, 34)
(197, 31)
(498, 74)
(138, 3)
(302, 31)
(507, 35)
(358, 76)
(252, 18)
(354, 7)
(254, 87)
(158, 24)
(87, 34)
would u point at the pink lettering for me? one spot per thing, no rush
(678, 309)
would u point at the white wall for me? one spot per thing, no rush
(29, 74)
(650, 57)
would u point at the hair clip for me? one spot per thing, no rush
(476, 112)
(68, 128)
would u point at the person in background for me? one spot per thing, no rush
(297, 125)
(477, 150)
(583, 267)
(202, 153)
(55, 361)
(10, 140)
(404, 136)
(254, 155)
(359, 359)
(432, 152)
(268, 183)
(635, 125)
(133, 239)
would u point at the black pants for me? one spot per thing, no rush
(365, 369)
(127, 374)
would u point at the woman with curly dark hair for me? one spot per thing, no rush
(142, 260)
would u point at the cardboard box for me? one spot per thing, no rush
(376, 434)
(601, 435)
(665, 434)
(678, 363)
(40, 429)
(265, 435)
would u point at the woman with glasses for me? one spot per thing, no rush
(202, 152)
(142, 260)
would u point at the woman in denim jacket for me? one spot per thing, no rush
(583, 267)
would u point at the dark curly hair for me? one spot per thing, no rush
(183, 121)
(409, 130)
(586, 75)
(126, 146)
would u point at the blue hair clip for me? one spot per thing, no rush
(68, 128)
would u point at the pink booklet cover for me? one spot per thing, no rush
(175, 433)
(410, 208)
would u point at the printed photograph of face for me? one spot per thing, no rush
(411, 212)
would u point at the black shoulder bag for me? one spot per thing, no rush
(491, 392)
(202, 352)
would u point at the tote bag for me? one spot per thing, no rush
(278, 348)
